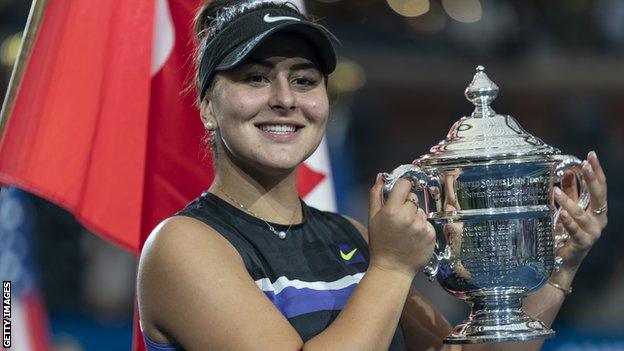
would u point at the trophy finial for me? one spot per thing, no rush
(481, 92)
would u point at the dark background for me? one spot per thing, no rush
(398, 89)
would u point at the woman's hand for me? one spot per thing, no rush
(584, 226)
(400, 237)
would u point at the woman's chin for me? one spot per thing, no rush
(279, 166)
(280, 160)
(283, 158)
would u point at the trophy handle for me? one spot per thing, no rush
(568, 162)
(425, 185)
(429, 190)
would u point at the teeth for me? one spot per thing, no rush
(278, 128)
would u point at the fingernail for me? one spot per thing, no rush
(558, 191)
(564, 214)
(588, 168)
(593, 154)
(378, 177)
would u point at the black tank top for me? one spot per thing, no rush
(309, 275)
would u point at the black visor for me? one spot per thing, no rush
(232, 45)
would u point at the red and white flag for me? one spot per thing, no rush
(100, 124)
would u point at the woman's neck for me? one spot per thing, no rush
(271, 197)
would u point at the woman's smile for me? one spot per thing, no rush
(280, 131)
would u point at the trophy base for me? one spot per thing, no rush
(493, 322)
(469, 333)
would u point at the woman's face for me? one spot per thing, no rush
(271, 111)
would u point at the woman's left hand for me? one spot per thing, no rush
(584, 226)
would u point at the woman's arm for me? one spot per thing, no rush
(584, 227)
(194, 289)
(401, 242)
(424, 326)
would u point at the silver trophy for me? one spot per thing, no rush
(488, 190)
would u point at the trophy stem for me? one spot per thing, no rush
(497, 316)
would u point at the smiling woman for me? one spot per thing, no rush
(254, 248)
(270, 111)
(248, 265)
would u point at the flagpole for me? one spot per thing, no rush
(32, 28)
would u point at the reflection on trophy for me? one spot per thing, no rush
(487, 188)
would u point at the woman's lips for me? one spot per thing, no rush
(282, 134)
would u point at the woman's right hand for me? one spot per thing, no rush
(400, 237)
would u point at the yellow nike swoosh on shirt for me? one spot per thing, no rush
(347, 256)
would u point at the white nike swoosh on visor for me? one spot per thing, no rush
(268, 19)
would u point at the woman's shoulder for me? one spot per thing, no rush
(177, 231)
(178, 249)
(183, 235)
(178, 239)
(180, 259)
(217, 215)
(203, 207)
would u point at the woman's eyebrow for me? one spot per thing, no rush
(269, 64)
(303, 65)
(253, 61)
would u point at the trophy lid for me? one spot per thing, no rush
(485, 135)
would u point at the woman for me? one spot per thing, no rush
(247, 265)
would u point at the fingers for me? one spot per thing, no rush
(592, 158)
(412, 199)
(375, 202)
(573, 209)
(399, 193)
(597, 191)
(568, 185)
(419, 223)
(429, 229)
(595, 181)
(577, 234)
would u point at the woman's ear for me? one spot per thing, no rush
(207, 115)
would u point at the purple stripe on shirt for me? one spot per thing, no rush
(152, 345)
(294, 302)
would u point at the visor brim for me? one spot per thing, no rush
(316, 35)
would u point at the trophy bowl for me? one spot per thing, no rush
(488, 190)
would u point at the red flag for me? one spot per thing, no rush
(177, 169)
(100, 124)
(77, 133)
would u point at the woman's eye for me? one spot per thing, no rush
(304, 81)
(256, 78)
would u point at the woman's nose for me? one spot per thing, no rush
(283, 98)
